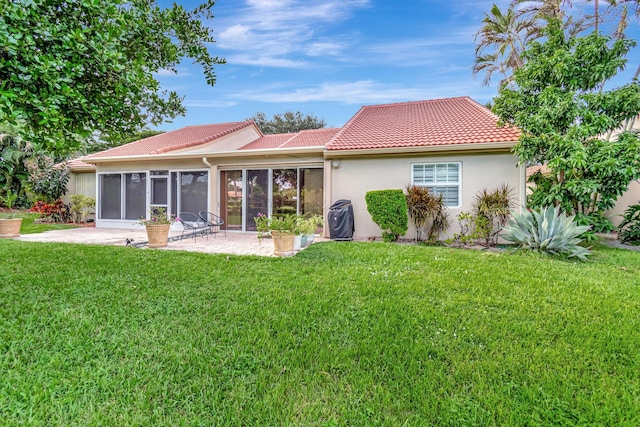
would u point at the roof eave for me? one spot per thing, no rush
(223, 154)
(444, 148)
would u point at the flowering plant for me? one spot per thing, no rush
(158, 216)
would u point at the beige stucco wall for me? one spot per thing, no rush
(355, 177)
(630, 197)
(81, 183)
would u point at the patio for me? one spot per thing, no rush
(234, 243)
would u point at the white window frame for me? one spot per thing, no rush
(450, 184)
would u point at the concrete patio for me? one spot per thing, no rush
(234, 243)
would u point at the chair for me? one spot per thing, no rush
(213, 221)
(192, 225)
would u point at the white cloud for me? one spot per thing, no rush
(265, 61)
(206, 103)
(280, 29)
(362, 92)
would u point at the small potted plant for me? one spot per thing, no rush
(10, 223)
(281, 229)
(157, 226)
(298, 232)
(313, 222)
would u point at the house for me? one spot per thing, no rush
(451, 145)
(82, 179)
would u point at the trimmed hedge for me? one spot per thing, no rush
(388, 209)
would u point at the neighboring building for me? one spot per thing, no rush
(82, 179)
(452, 145)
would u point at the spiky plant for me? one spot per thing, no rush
(549, 231)
(427, 212)
(493, 208)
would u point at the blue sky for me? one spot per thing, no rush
(330, 57)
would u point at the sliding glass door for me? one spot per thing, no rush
(245, 193)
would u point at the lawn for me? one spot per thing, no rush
(29, 226)
(341, 334)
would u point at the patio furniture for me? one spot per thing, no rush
(214, 221)
(192, 225)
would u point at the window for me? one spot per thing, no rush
(439, 178)
(114, 195)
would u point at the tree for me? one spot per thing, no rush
(287, 122)
(72, 67)
(13, 172)
(557, 100)
(505, 35)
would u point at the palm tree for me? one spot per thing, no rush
(505, 36)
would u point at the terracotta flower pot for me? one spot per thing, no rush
(282, 243)
(158, 235)
(10, 227)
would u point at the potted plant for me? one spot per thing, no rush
(313, 222)
(299, 233)
(281, 229)
(10, 223)
(157, 226)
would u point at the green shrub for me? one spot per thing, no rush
(468, 225)
(549, 231)
(81, 206)
(46, 179)
(629, 228)
(427, 212)
(388, 209)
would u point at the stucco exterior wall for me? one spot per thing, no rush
(81, 183)
(353, 178)
(630, 197)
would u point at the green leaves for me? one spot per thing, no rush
(549, 231)
(388, 209)
(566, 118)
(71, 68)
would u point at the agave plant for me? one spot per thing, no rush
(547, 230)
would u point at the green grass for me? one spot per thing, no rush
(342, 334)
(30, 227)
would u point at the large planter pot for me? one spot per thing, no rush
(282, 243)
(297, 242)
(10, 227)
(158, 235)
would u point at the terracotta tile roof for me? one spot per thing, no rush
(422, 123)
(79, 165)
(305, 138)
(175, 140)
(268, 141)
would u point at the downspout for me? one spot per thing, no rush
(206, 162)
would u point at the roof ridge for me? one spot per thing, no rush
(210, 138)
(419, 101)
(294, 136)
